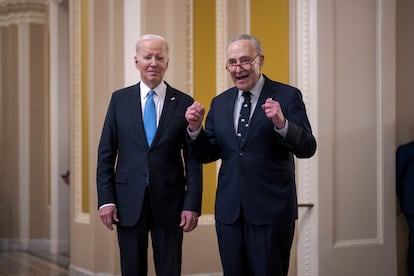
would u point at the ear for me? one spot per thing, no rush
(136, 62)
(261, 61)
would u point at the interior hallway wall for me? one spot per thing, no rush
(25, 186)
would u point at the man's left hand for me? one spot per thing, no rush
(189, 220)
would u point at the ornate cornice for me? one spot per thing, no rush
(16, 12)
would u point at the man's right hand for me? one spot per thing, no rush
(108, 215)
(194, 116)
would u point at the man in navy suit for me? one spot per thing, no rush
(148, 186)
(405, 192)
(256, 204)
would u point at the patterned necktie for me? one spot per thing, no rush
(244, 117)
(150, 117)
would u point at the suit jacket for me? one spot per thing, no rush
(257, 177)
(125, 159)
(405, 177)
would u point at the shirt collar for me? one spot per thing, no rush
(160, 90)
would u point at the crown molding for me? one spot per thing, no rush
(16, 12)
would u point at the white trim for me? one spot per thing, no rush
(190, 36)
(221, 40)
(59, 125)
(222, 78)
(24, 130)
(54, 128)
(132, 30)
(248, 17)
(303, 60)
(380, 121)
(79, 271)
(111, 46)
(206, 220)
(76, 163)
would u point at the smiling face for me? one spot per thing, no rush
(244, 52)
(151, 61)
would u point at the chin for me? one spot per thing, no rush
(242, 86)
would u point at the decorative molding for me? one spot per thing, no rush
(380, 156)
(221, 56)
(132, 27)
(303, 75)
(23, 112)
(76, 164)
(13, 245)
(380, 118)
(24, 245)
(248, 16)
(190, 58)
(221, 40)
(57, 2)
(16, 12)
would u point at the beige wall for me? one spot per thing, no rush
(9, 132)
(24, 126)
(39, 132)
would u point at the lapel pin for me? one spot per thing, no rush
(172, 99)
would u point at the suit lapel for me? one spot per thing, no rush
(258, 116)
(135, 101)
(228, 111)
(167, 112)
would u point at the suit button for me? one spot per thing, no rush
(241, 153)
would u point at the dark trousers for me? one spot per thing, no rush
(255, 250)
(410, 252)
(166, 244)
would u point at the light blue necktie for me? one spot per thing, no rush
(150, 117)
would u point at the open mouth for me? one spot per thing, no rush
(243, 77)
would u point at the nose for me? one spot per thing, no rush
(238, 67)
(153, 61)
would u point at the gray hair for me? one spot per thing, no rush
(151, 37)
(255, 41)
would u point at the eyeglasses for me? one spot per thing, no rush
(244, 63)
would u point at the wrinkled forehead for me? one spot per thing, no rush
(154, 46)
(240, 48)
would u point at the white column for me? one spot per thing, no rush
(303, 74)
(54, 175)
(132, 30)
(59, 126)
